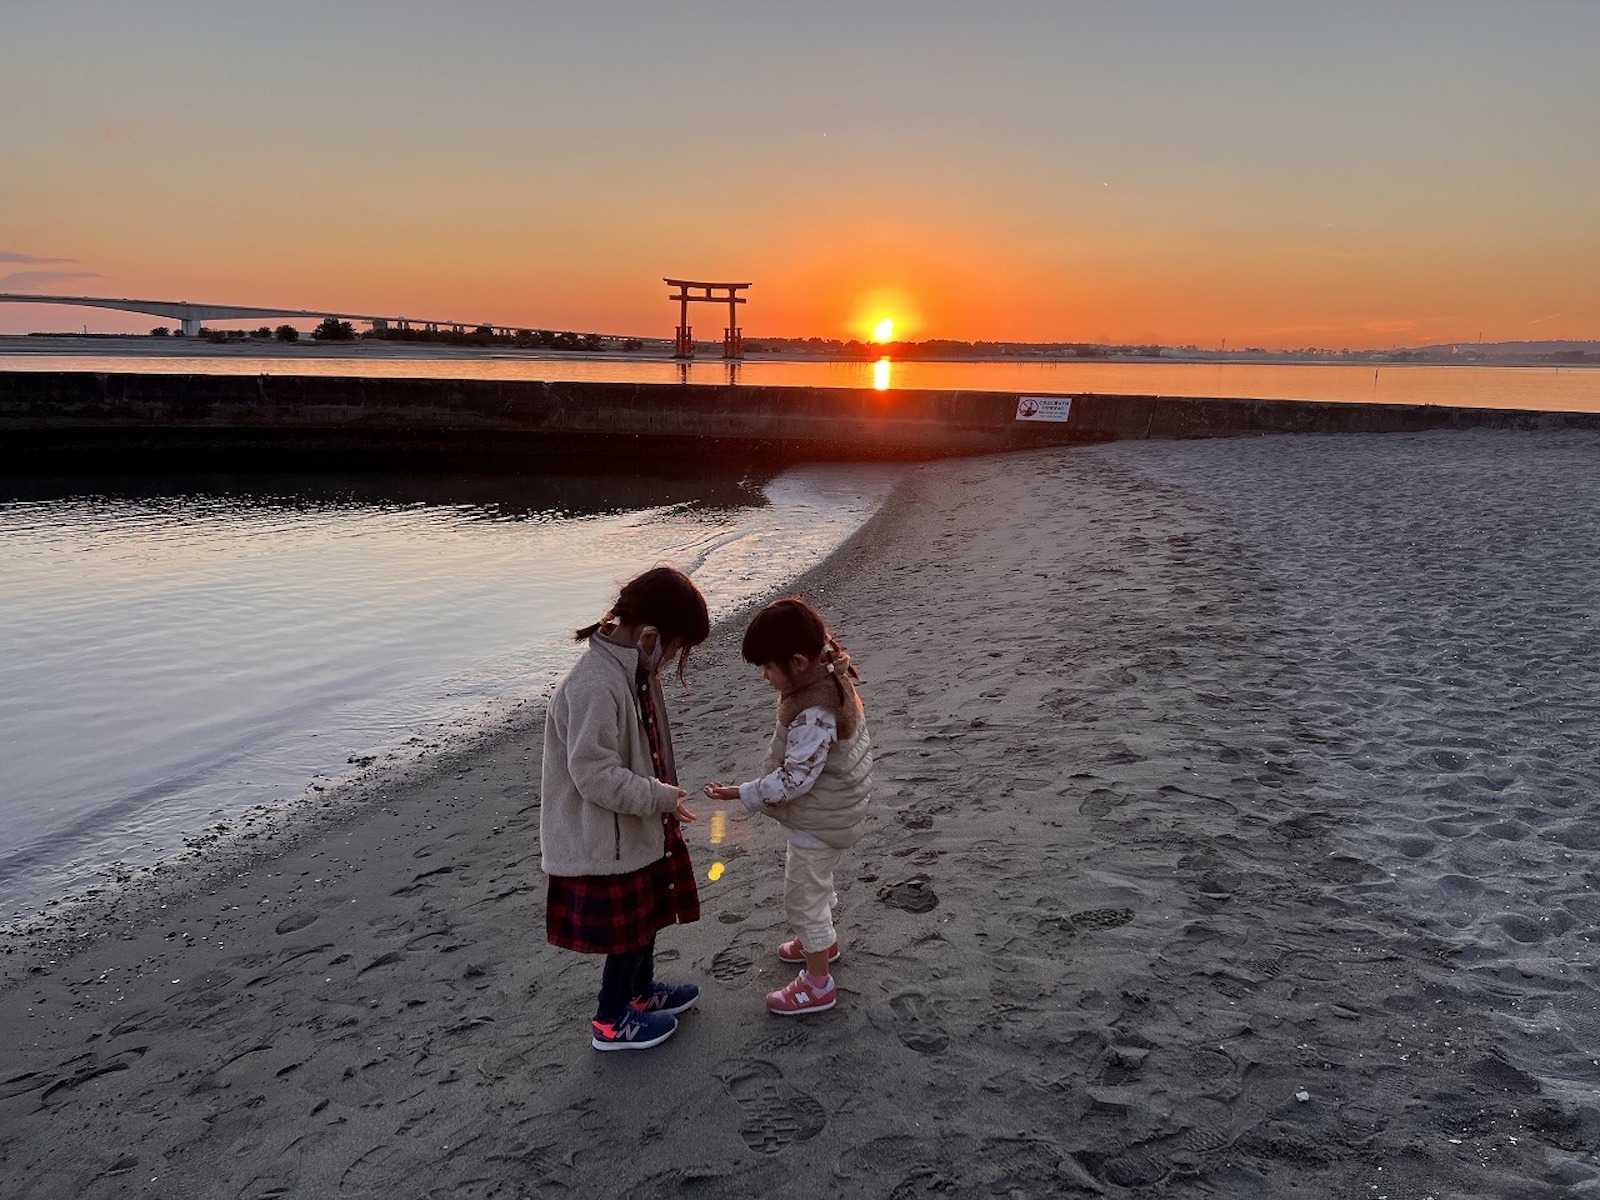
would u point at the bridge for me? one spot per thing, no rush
(193, 316)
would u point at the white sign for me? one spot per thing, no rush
(1043, 408)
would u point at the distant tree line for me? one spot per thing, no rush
(331, 329)
(283, 333)
(943, 348)
(485, 335)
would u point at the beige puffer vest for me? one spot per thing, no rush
(835, 809)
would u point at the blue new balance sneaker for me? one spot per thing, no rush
(672, 998)
(635, 1030)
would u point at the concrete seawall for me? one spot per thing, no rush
(78, 416)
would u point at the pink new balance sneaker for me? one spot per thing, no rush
(802, 996)
(793, 952)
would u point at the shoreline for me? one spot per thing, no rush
(70, 924)
(143, 345)
(811, 511)
(1109, 933)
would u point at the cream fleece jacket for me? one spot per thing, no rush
(600, 804)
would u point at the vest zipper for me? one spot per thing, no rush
(616, 826)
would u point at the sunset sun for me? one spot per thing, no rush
(883, 330)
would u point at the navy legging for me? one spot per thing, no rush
(626, 975)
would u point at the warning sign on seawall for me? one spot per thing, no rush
(1043, 408)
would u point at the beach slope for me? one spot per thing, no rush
(1232, 836)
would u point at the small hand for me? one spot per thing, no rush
(721, 791)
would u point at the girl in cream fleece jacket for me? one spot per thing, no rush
(610, 807)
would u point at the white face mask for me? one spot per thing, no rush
(652, 651)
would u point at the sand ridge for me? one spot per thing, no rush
(1122, 924)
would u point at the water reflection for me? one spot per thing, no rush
(495, 496)
(731, 369)
(177, 648)
(1551, 390)
(880, 375)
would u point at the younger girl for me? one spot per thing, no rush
(611, 806)
(819, 768)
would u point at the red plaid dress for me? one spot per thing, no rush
(612, 914)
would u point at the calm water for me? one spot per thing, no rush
(1551, 389)
(175, 651)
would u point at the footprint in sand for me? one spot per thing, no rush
(991, 857)
(917, 1023)
(1087, 921)
(18, 1085)
(1138, 1167)
(417, 881)
(773, 1113)
(732, 962)
(296, 921)
(267, 1187)
(85, 1068)
(789, 1037)
(1207, 1132)
(1100, 802)
(915, 894)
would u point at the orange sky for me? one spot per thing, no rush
(1369, 176)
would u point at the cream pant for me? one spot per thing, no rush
(808, 895)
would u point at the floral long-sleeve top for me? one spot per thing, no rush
(811, 735)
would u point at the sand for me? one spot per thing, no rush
(1234, 836)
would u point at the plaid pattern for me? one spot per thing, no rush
(612, 914)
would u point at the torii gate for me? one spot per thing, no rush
(683, 343)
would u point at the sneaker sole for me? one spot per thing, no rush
(801, 1012)
(599, 1045)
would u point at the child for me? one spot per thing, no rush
(819, 769)
(611, 806)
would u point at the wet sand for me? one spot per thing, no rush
(1234, 836)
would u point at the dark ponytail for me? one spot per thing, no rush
(788, 627)
(667, 599)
